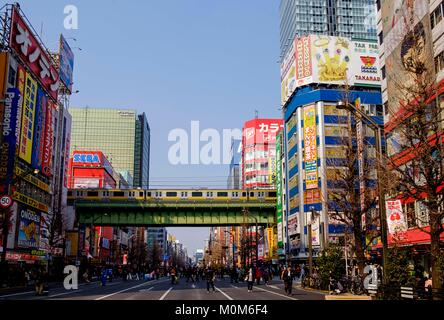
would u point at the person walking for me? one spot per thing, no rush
(103, 277)
(250, 279)
(39, 282)
(210, 276)
(288, 280)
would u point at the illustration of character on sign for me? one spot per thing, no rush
(332, 65)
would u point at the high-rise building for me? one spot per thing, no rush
(234, 180)
(121, 134)
(157, 242)
(346, 18)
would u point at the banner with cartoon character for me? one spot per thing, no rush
(396, 221)
(29, 227)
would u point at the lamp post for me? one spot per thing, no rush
(343, 105)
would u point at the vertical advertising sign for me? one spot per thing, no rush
(48, 136)
(66, 63)
(270, 236)
(360, 145)
(279, 190)
(303, 61)
(28, 116)
(29, 228)
(10, 136)
(40, 112)
(396, 221)
(288, 74)
(310, 146)
(67, 131)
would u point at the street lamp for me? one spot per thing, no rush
(343, 105)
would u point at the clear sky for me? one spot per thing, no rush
(213, 61)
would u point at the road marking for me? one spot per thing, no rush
(274, 287)
(17, 294)
(112, 294)
(165, 294)
(226, 295)
(235, 287)
(145, 290)
(278, 294)
(64, 293)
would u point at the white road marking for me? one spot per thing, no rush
(275, 293)
(274, 287)
(165, 294)
(113, 294)
(226, 295)
(64, 293)
(145, 290)
(235, 286)
(17, 294)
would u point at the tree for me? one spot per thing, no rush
(351, 188)
(155, 255)
(415, 135)
(331, 261)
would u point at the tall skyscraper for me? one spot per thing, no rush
(347, 18)
(121, 134)
(233, 181)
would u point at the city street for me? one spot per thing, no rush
(163, 290)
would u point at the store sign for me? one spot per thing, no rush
(28, 116)
(30, 202)
(86, 158)
(29, 228)
(310, 148)
(31, 179)
(35, 57)
(303, 61)
(292, 226)
(279, 190)
(288, 74)
(48, 137)
(39, 121)
(396, 221)
(10, 125)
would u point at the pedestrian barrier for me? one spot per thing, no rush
(407, 293)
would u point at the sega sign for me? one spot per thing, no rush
(86, 158)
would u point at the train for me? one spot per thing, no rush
(172, 195)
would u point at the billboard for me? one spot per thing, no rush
(330, 60)
(279, 191)
(29, 227)
(33, 54)
(28, 116)
(310, 147)
(261, 131)
(10, 132)
(39, 122)
(396, 221)
(48, 137)
(293, 225)
(66, 63)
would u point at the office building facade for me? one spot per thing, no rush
(352, 19)
(122, 136)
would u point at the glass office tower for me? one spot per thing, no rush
(119, 135)
(347, 18)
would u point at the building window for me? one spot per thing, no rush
(436, 15)
(439, 62)
(383, 72)
(381, 38)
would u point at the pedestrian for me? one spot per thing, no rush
(86, 276)
(288, 280)
(39, 282)
(258, 276)
(103, 277)
(210, 276)
(428, 286)
(265, 276)
(250, 279)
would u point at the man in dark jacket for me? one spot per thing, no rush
(210, 279)
(287, 276)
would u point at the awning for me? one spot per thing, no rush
(410, 237)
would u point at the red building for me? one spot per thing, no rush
(259, 153)
(90, 169)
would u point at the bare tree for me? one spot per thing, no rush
(416, 129)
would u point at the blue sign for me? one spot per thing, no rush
(36, 160)
(89, 158)
(166, 257)
(11, 132)
(66, 63)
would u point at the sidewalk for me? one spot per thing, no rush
(328, 296)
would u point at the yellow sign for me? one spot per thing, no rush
(30, 202)
(28, 115)
(310, 147)
(33, 180)
(270, 241)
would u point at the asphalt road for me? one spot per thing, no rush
(162, 289)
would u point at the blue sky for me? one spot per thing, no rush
(177, 61)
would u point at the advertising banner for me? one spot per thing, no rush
(279, 190)
(66, 63)
(33, 55)
(44, 232)
(11, 226)
(396, 220)
(270, 237)
(48, 137)
(30, 202)
(304, 70)
(39, 121)
(10, 128)
(259, 131)
(312, 196)
(360, 144)
(288, 74)
(29, 228)
(310, 146)
(292, 225)
(28, 116)
(67, 137)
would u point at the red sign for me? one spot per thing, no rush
(33, 55)
(261, 131)
(5, 201)
(47, 140)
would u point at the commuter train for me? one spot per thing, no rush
(172, 195)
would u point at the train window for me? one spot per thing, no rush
(272, 194)
(106, 193)
(222, 194)
(92, 193)
(251, 194)
(140, 193)
(244, 194)
(69, 193)
(236, 194)
(118, 194)
(148, 194)
(196, 194)
(171, 194)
